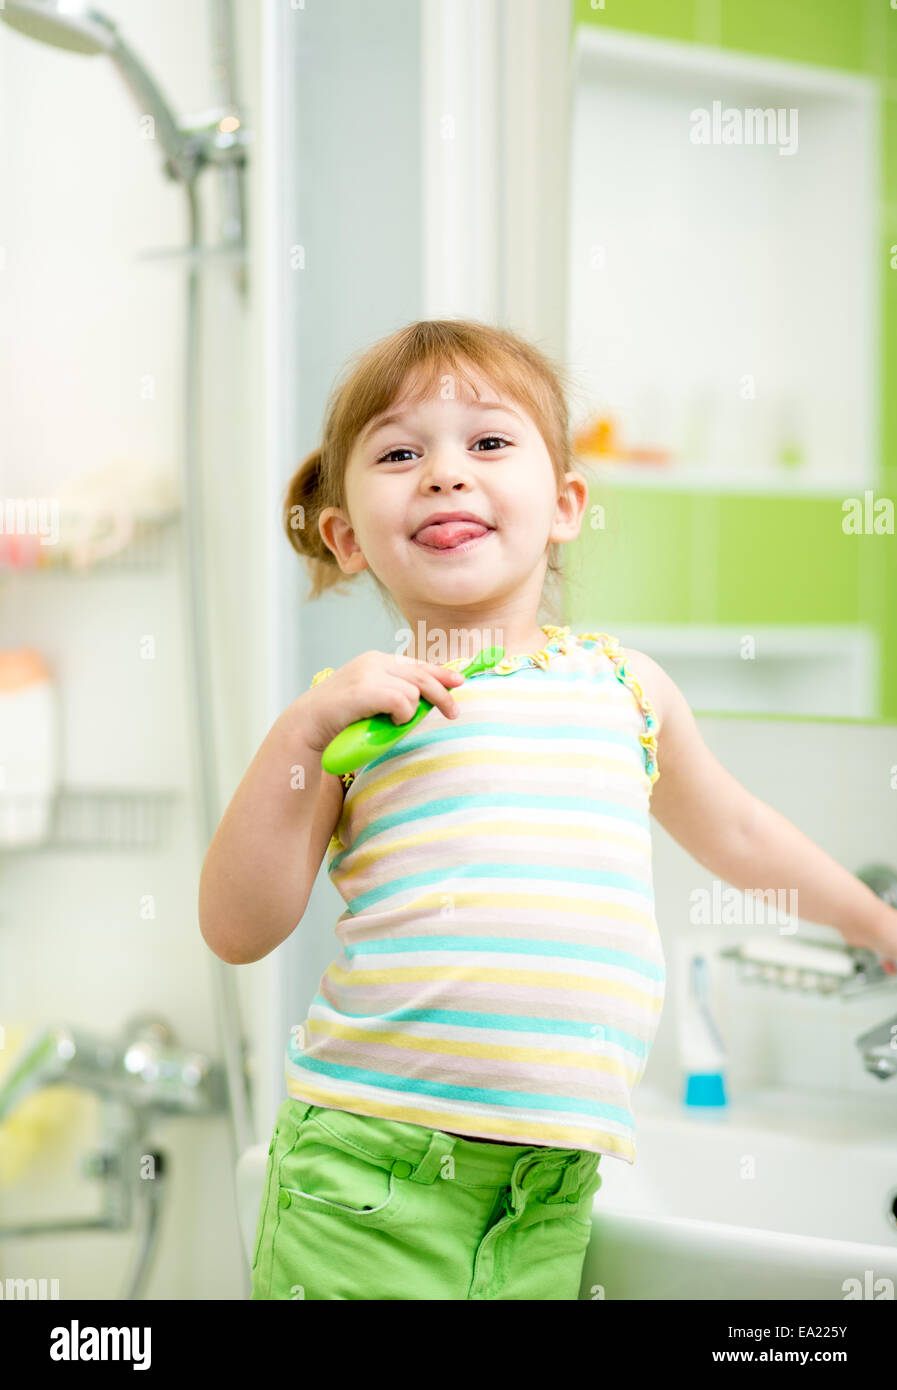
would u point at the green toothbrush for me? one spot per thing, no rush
(363, 740)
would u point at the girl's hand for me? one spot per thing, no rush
(885, 945)
(375, 683)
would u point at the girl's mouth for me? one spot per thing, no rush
(453, 538)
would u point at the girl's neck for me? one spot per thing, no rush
(436, 642)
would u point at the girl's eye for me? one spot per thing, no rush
(502, 442)
(388, 457)
(498, 438)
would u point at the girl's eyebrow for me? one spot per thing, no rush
(374, 425)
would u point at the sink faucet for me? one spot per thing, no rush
(140, 1074)
(878, 1046)
(145, 1067)
(879, 1049)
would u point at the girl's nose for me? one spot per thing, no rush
(445, 469)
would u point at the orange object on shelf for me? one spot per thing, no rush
(647, 455)
(597, 437)
(600, 438)
(21, 666)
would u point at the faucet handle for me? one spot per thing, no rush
(874, 968)
(871, 971)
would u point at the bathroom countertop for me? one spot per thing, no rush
(836, 1116)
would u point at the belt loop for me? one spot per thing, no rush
(428, 1168)
(570, 1180)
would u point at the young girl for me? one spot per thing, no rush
(472, 1049)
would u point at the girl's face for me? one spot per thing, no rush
(482, 455)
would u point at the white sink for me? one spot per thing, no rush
(823, 1164)
(784, 1195)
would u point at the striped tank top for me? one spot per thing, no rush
(500, 972)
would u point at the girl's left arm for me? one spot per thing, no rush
(742, 839)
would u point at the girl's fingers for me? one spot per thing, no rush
(445, 674)
(433, 690)
(427, 686)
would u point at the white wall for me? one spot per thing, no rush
(834, 781)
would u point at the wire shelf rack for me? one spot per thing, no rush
(88, 818)
(146, 550)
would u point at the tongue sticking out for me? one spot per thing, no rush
(443, 535)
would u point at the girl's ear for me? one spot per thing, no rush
(570, 507)
(338, 535)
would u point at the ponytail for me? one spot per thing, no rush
(301, 508)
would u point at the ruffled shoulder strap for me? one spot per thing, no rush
(648, 740)
(347, 778)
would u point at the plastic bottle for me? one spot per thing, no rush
(29, 747)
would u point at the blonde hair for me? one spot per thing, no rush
(374, 379)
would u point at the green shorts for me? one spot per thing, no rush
(363, 1208)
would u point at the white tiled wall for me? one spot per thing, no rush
(835, 782)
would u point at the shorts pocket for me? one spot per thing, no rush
(325, 1173)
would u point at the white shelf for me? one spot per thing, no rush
(680, 477)
(825, 672)
(146, 549)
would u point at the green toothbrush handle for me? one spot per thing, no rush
(366, 738)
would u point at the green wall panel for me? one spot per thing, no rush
(669, 19)
(856, 35)
(829, 33)
(680, 557)
(787, 560)
(632, 567)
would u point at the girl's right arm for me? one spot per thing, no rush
(259, 870)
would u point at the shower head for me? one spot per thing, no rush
(62, 25)
(75, 27)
